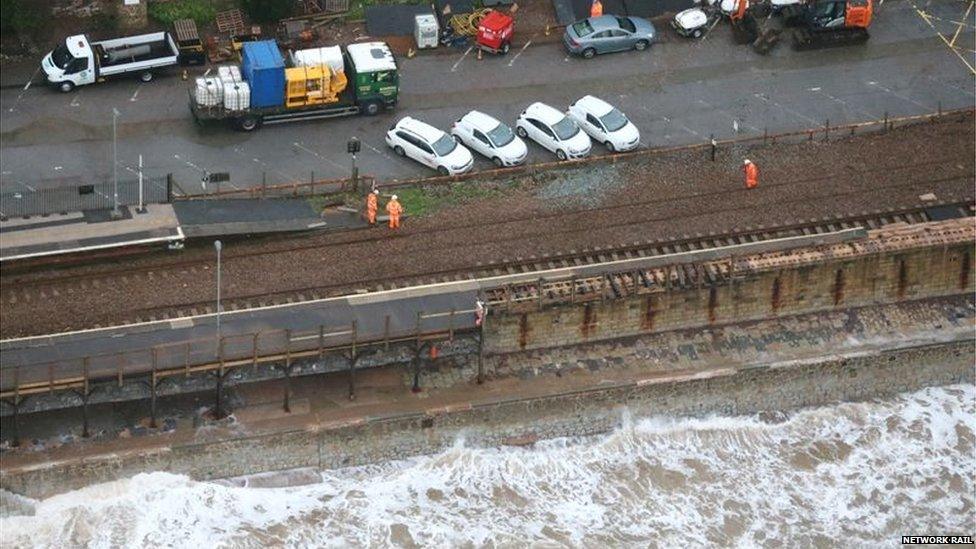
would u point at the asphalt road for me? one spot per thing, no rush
(679, 92)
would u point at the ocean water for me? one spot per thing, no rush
(850, 475)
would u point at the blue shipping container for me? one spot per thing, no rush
(264, 69)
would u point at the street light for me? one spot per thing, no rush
(353, 147)
(115, 165)
(218, 246)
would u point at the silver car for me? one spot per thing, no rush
(608, 33)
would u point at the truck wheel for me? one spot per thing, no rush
(641, 45)
(146, 76)
(371, 108)
(66, 86)
(249, 123)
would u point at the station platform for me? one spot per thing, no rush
(76, 232)
(44, 237)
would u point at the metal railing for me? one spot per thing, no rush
(78, 198)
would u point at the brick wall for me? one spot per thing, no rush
(763, 289)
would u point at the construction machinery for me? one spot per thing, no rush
(829, 23)
(816, 23)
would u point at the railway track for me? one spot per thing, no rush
(873, 220)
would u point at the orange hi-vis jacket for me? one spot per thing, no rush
(752, 175)
(596, 8)
(394, 208)
(371, 206)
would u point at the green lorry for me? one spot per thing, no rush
(373, 85)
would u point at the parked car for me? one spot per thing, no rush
(608, 33)
(432, 147)
(605, 124)
(487, 136)
(553, 130)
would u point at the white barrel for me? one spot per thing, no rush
(209, 92)
(313, 57)
(229, 74)
(237, 96)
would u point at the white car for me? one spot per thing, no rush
(605, 124)
(489, 137)
(432, 147)
(553, 130)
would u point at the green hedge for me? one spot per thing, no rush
(201, 11)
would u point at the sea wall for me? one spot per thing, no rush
(892, 266)
(743, 390)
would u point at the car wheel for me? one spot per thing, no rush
(505, 47)
(609, 146)
(399, 150)
(66, 86)
(521, 131)
(560, 154)
(498, 162)
(146, 76)
(641, 45)
(588, 53)
(697, 33)
(442, 170)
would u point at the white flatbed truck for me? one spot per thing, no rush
(79, 61)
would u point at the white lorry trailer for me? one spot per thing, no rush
(78, 61)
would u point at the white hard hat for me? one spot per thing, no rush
(747, 161)
(376, 191)
(394, 197)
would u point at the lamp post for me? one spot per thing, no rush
(353, 147)
(115, 165)
(218, 246)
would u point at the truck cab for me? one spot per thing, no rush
(374, 76)
(71, 64)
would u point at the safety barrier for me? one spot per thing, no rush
(77, 198)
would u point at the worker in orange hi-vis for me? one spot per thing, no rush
(371, 206)
(394, 208)
(752, 174)
(596, 8)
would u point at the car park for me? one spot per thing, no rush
(553, 130)
(430, 146)
(608, 33)
(605, 124)
(492, 139)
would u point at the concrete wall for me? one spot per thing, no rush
(861, 280)
(776, 386)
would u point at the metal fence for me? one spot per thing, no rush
(77, 198)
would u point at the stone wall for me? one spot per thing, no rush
(824, 282)
(775, 386)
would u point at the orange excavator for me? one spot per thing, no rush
(816, 23)
(829, 23)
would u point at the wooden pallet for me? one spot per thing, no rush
(231, 21)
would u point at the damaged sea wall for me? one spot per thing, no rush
(890, 266)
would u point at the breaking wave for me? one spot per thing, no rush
(851, 474)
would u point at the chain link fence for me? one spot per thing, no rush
(77, 198)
